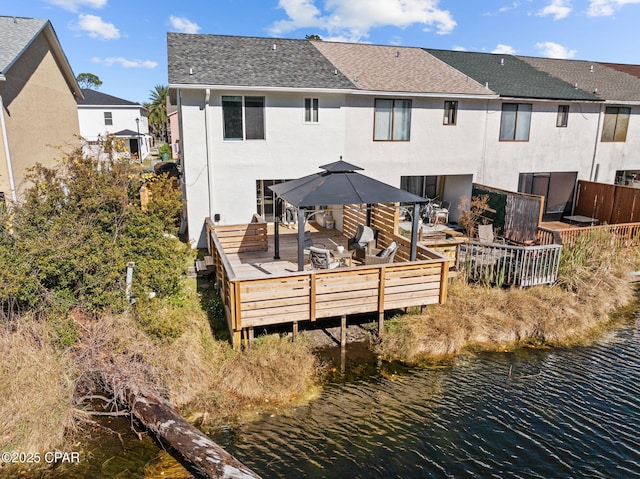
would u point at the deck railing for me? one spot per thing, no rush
(624, 234)
(498, 264)
(313, 295)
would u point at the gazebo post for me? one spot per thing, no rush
(301, 212)
(414, 232)
(276, 229)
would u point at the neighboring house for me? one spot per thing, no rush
(38, 92)
(257, 111)
(101, 114)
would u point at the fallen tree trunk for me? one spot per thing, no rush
(203, 456)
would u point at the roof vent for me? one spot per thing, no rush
(575, 86)
(502, 62)
(357, 79)
(335, 72)
(590, 68)
(275, 47)
(595, 90)
(190, 71)
(398, 54)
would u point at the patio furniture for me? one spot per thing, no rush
(485, 235)
(362, 242)
(441, 213)
(321, 258)
(384, 256)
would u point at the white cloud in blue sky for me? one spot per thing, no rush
(505, 49)
(124, 62)
(183, 25)
(75, 5)
(352, 20)
(95, 27)
(553, 50)
(604, 8)
(558, 9)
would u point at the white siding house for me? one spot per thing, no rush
(100, 114)
(253, 111)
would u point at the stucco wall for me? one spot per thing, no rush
(40, 110)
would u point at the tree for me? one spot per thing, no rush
(89, 80)
(157, 108)
(313, 36)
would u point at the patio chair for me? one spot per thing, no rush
(362, 242)
(308, 242)
(441, 213)
(321, 259)
(383, 256)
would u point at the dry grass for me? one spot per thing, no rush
(36, 389)
(593, 285)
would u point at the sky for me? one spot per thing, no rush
(123, 42)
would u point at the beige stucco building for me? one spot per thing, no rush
(38, 110)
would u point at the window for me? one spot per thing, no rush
(563, 116)
(515, 123)
(425, 186)
(243, 117)
(616, 121)
(311, 110)
(450, 113)
(392, 120)
(557, 189)
(108, 118)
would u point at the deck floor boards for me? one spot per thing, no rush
(261, 264)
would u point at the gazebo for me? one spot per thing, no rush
(340, 184)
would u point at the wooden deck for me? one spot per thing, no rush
(258, 290)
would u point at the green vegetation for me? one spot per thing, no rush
(593, 283)
(157, 110)
(68, 332)
(88, 80)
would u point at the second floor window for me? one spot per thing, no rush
(311, 110)
(450, 113)
(243, 117)
(563, 116)
(515, 122)
(616, 122)
(108, 118)
(392, 120)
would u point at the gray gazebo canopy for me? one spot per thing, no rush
(340, 184)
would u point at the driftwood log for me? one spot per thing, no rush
(196, 450)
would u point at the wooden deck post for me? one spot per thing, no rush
(380, 323)
(295, 330)
(343, 331)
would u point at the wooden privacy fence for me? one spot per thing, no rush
(498, 264)
(624, 234)
(612, 204)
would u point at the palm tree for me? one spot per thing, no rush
(157, 108)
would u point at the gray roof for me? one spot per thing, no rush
(249, 61)
(96, 98)
(16, 34)
(509, 76)
(609, 83)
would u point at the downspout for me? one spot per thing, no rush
(595, 146)
(207, 97)
(5, 139)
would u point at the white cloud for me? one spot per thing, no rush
(75, 5)
(553, 50)
(605, 8)
(352, 19)
(97, 28)
(125, 63)
(506, 49)
(558, 9)
(183, 25)
(458, 48)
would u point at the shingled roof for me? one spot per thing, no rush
(511, 76)
(397, 69)
(16, 33)
(249, 61)
(608, 83)
(96, 98)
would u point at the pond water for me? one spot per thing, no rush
(530, 413)
(526, 414)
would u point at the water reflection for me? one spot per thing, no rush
(529, 413)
